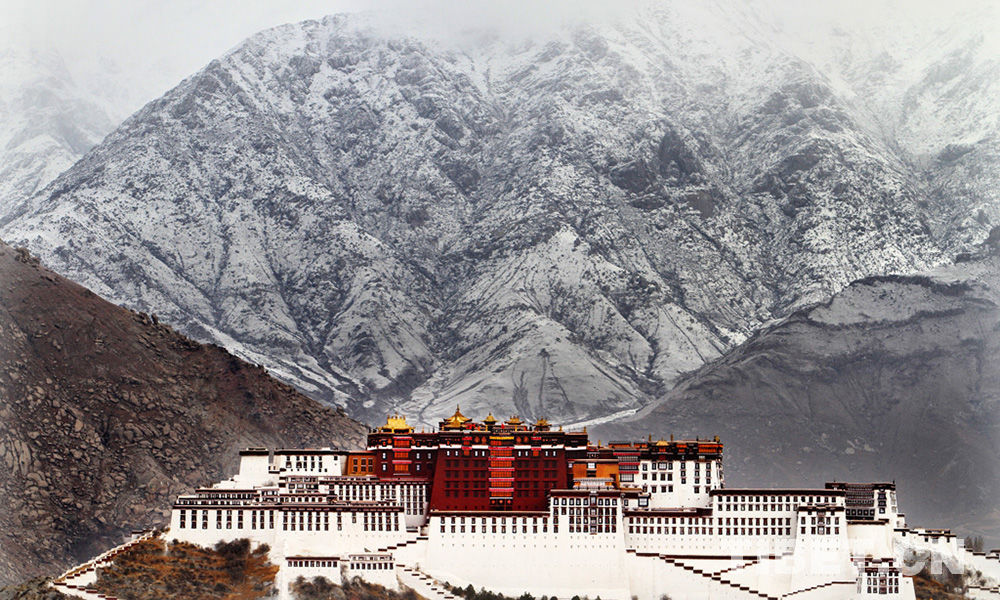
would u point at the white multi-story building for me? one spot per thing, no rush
(517, 508)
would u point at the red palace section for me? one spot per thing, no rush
(505, 466)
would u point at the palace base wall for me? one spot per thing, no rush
(563, 565)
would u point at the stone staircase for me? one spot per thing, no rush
(749, 563)
(78, 581)
(851, 584)
(717, 578)
(979, 592)
(719, 583)
(416, 540)
(423, 584)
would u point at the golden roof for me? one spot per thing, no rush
(542, 422)
(514, 420)
(490, 419)
(457, 419)
(396, 423)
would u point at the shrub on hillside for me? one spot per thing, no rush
(154, 570)
(321, 588)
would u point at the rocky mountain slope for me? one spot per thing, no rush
(107, 415)
(895, 378)
(558, 225)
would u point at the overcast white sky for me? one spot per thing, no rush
(156, 44)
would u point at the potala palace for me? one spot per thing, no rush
(515, 507)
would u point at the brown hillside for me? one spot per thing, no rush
(105, 415)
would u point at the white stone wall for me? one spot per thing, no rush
(289, 570)
(586, 544)
(679, 483)
(254, 472)
(311, 463)
(512, 562)
(946, 550)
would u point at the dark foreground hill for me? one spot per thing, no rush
(106, 414)
(894, 378)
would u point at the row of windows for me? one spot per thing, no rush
(579, 520)
(882, 583)
(603, 511)
(668, 520)
(821, 530)
(756, 521)
(301, 498)
(371, 566)
(257, 519)
(584, 502)
(669, 465)
(682, 530)
(883, 590)
(665, 489)
(502, 528)
(821, 519)
(758, 507)
(775, 500)
(594, 528)
(313, 563)
(215, 502)
(501, 451)
(482, 493)
(305, 521)
(290, 520)
(301, 464)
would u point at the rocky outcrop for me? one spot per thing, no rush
(107, 414)
(35, 589)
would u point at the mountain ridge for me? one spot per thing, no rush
(892, 378)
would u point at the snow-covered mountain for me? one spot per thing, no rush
(553, 225)
(46, 124)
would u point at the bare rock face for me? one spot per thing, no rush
(556, 227)
(894, 378)
(108, 414)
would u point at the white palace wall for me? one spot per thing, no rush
(513, 562)
(685, 536)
